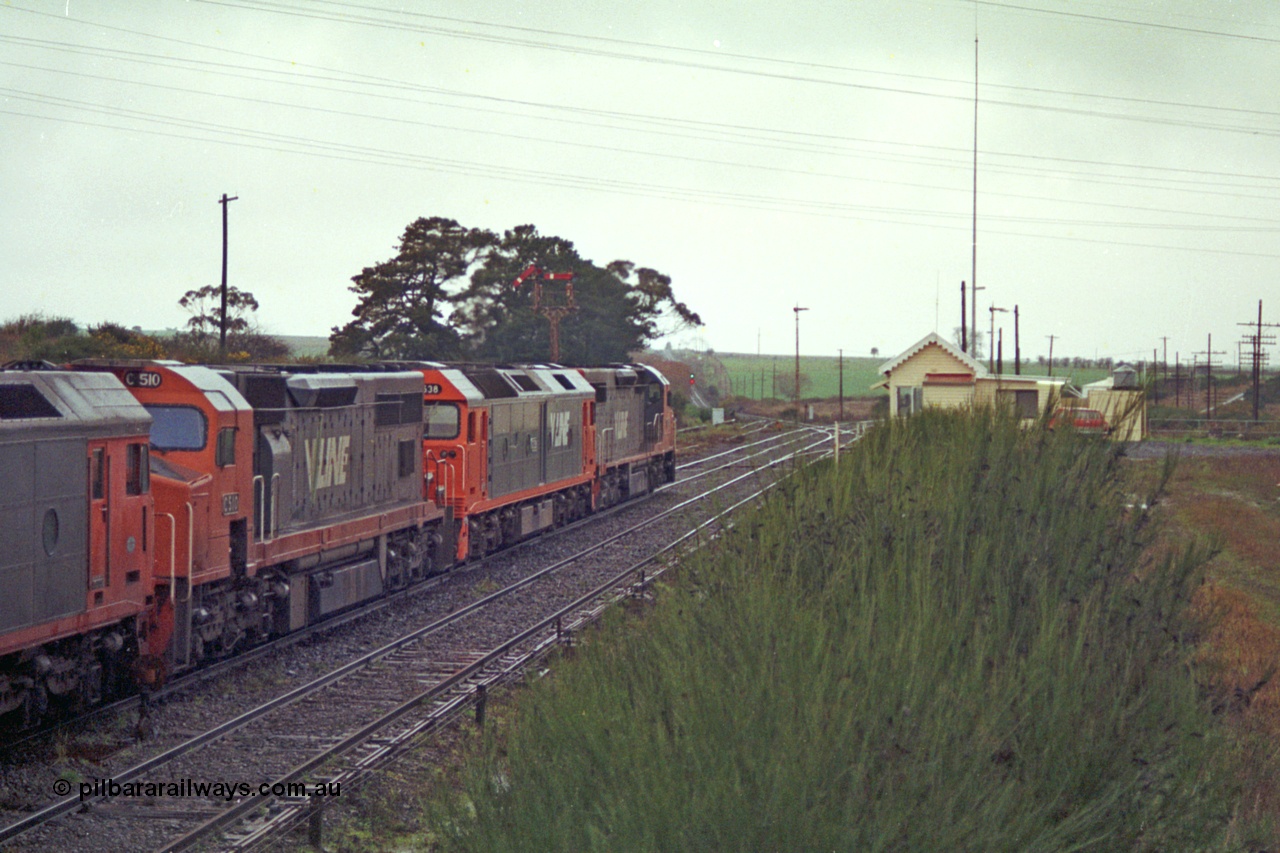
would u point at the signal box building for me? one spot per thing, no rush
(935, 372)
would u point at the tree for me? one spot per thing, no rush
(620, 307)
(402, 300)
(205, 306)
(976, 340)
(786, 384)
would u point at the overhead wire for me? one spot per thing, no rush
(378, 156)
(292, 66)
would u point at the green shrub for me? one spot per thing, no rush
(951, 643)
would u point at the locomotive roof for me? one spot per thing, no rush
(68, 401)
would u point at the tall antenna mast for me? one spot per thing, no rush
(973, 271)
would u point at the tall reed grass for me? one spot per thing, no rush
(952, 642)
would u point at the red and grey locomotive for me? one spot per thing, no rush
(160, 515)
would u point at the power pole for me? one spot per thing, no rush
(1164, 363)
(1017, 345)
(991, 341)
(1208, 354)
(964, 319)
(841, 415)
(222, 317)
(1051, 339)
(1177, 379)
(796, 389)
(1256, 341)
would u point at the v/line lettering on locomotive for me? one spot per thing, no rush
(165, 567)
(559, 429)
(327, 461)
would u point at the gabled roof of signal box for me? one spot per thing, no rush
(946, 346)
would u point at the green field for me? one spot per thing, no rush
(753, 376)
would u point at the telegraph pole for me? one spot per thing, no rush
(1164, 363)
(991, 341)
(1051, 340)
(964, 319)
(841, 415)
(1208, 354)
(796, 389)
(1256, 342)
(1017, 345)
(222, 317)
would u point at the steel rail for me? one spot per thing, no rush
(467, 674)
(195, 677)
(74, 803)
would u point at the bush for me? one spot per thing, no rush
(951, 643)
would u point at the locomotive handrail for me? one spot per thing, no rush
(259, 495)
(191, 561)
(173, 547)
(605, 452)
(275, 504)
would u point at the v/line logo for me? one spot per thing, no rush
(327, 461)
(559, 423)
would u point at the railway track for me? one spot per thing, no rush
(345, 721)
(12, 741)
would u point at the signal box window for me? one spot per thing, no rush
(137, 470)
(441, 421)
(226, 450)
(1025, 403)
(910, 399)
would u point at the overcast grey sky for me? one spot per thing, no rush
(816, 152)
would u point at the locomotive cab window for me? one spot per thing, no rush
(441, 421)
(137, 470)
(225, 453)
(177, 428)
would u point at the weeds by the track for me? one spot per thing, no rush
(957, 641)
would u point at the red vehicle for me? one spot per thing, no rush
(515, 450)
(77, 537)
(159, 515)
(1083, 420)
(282, 496)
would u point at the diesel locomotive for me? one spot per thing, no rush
(159, 515)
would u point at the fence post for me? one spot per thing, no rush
(836, 436)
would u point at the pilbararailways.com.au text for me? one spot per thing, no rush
(192, 788)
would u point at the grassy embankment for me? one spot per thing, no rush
(962, 641)
(753, 375)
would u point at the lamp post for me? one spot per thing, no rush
(795, 391)
(991, 354)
